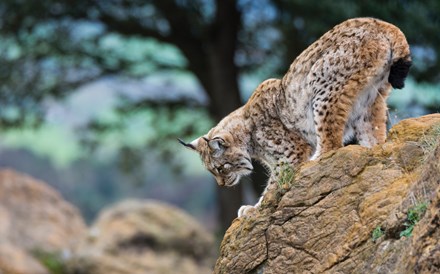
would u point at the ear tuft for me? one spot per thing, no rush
(193, 145)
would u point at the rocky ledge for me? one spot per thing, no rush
(356, 210)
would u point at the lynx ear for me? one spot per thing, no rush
(217, 147)
(219, 144)
(216, 144)
(193, 145)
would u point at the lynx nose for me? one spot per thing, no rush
(220, 181)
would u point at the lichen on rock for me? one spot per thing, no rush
(324, 222)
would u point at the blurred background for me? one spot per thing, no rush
(93, 94)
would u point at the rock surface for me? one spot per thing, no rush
(322, 222)
(144, 237)
(14, 260)
(33, 217)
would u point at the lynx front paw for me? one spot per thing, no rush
(245, 210)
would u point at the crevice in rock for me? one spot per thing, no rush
(257, 268)
(339, 261)
(309, 253)
(141, 242)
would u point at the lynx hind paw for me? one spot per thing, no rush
(315, 156)
(245, 210)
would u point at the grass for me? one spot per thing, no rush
(286, 176)
(52, 261)
(414, 215)
(431, 141)
(377, 233)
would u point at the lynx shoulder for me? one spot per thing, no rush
(333, 92)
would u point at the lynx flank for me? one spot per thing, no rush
(333, 92)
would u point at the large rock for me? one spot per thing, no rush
(33, 218)
(322, 222)
(14, 260)
(145, 237)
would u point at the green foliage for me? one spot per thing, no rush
(377, 233)
(52, 261)
(55, 143)
(155, 129)
(414, 215)
(286, 176)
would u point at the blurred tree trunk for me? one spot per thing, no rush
(225, 98)
(210, 50)
(223, 90)
(213, 62)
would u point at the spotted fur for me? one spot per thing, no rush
(333, 92)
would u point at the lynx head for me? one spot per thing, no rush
(222, 156)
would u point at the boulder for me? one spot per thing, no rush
(350, 212)
(144, 236)
(14, 260)
(34, 218)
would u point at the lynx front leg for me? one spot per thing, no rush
(245, 210)
(248, 209)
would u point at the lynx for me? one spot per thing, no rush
(333, 92)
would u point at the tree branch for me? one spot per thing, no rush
(131, 26)
(189, 34)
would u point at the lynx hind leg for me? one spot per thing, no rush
(331, 111)
(336, 94)
(330, 116)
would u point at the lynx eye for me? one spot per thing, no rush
(223, 169)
